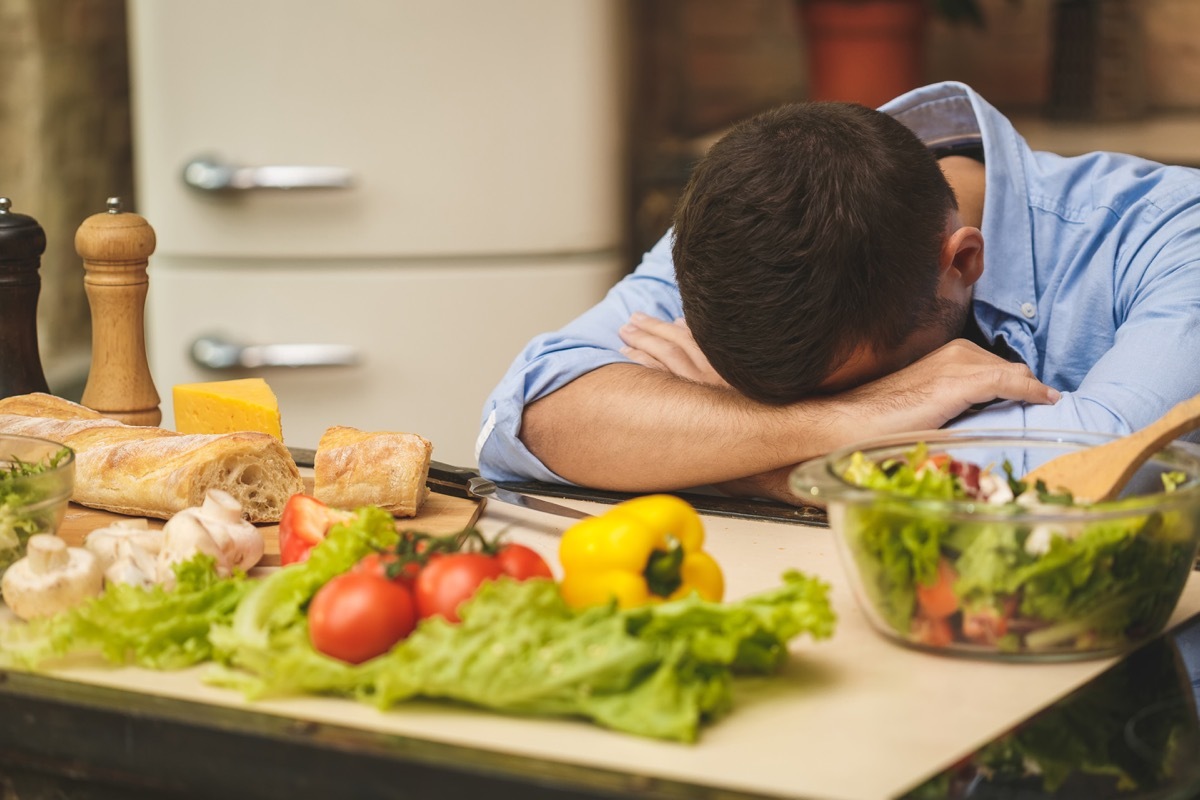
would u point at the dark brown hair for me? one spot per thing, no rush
(804, 233)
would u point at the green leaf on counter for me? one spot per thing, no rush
(25, 507)
(150, 627)
(660, 670)
(269, 633)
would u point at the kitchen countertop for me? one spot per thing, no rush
(852, 717)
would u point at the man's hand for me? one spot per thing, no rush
(939, 387)
(924, 395)
(668, 346)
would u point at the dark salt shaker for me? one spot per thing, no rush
(22, 242)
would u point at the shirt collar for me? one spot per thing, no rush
(951, 113)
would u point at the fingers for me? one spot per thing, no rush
(942, 385)
(642, 327)
(991, 377)
(1020, 384)
(668, 346)
(642, 357)
(654, 343)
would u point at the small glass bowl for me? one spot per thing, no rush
(32, 503)
(1012, 582)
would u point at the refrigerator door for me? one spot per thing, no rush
(460, 126)
(416, 188)
(430, 340)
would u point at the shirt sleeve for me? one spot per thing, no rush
(1154, 360)
(553, 360)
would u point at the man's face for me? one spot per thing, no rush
(866, 364)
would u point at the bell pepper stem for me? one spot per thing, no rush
(663, 571)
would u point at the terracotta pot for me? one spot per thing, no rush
(863, 51)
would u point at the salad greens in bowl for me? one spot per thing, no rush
(37, 477)
(949, 550)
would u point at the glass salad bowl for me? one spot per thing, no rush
(37, 477)
(947, 551)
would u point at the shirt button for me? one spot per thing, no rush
(1029, 310)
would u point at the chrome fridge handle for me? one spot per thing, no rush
(209, 175)
(213, 352)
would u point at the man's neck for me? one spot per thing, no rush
(966, 177)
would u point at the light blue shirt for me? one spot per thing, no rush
(1091, 276)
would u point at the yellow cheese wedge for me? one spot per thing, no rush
(247, 404)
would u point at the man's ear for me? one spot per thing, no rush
(962, 257)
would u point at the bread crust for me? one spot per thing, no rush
(153, 472)
(355, 468)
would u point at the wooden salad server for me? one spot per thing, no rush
(1099, 473)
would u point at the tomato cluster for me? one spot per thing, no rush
(366, 611)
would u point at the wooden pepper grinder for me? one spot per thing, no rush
(22, 242)
(115, 247)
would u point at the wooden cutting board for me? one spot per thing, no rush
(439, 513)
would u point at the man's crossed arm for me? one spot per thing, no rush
(669, 421)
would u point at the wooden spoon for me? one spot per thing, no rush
(1099, 473)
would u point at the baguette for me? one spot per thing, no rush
(153, 472)
(354, 468)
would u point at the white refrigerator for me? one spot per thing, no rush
(371, 204)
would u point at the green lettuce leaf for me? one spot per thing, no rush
(895, 549)
(989, 553)
(268, 635)
(659, 670)
(27, 503)
(1102, 582)
(150, 627)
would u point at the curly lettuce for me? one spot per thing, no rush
(661, 671)
(1088, 584)
(27, 503)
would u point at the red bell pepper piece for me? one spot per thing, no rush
(303, 525)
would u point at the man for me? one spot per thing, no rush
(833, 278)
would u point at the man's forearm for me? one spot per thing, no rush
(627, 428)
(632, 428)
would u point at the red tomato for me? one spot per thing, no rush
(521, 562)
(448, 580)
(939, 601)
(379, 563)
(359, 615)
(302, 526)
(935, 461)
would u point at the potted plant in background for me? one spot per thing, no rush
(869, 51)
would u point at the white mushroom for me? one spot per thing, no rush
(52, 577)
(134, 565)
(108, 543)
(215, 528)
(127, 551)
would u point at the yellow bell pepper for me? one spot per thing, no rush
(641, 551)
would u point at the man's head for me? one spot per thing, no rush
(807, 248)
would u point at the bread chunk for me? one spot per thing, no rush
(356, 468)
(153, 472)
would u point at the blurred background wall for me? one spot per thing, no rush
(698, 66)
(65, 146)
